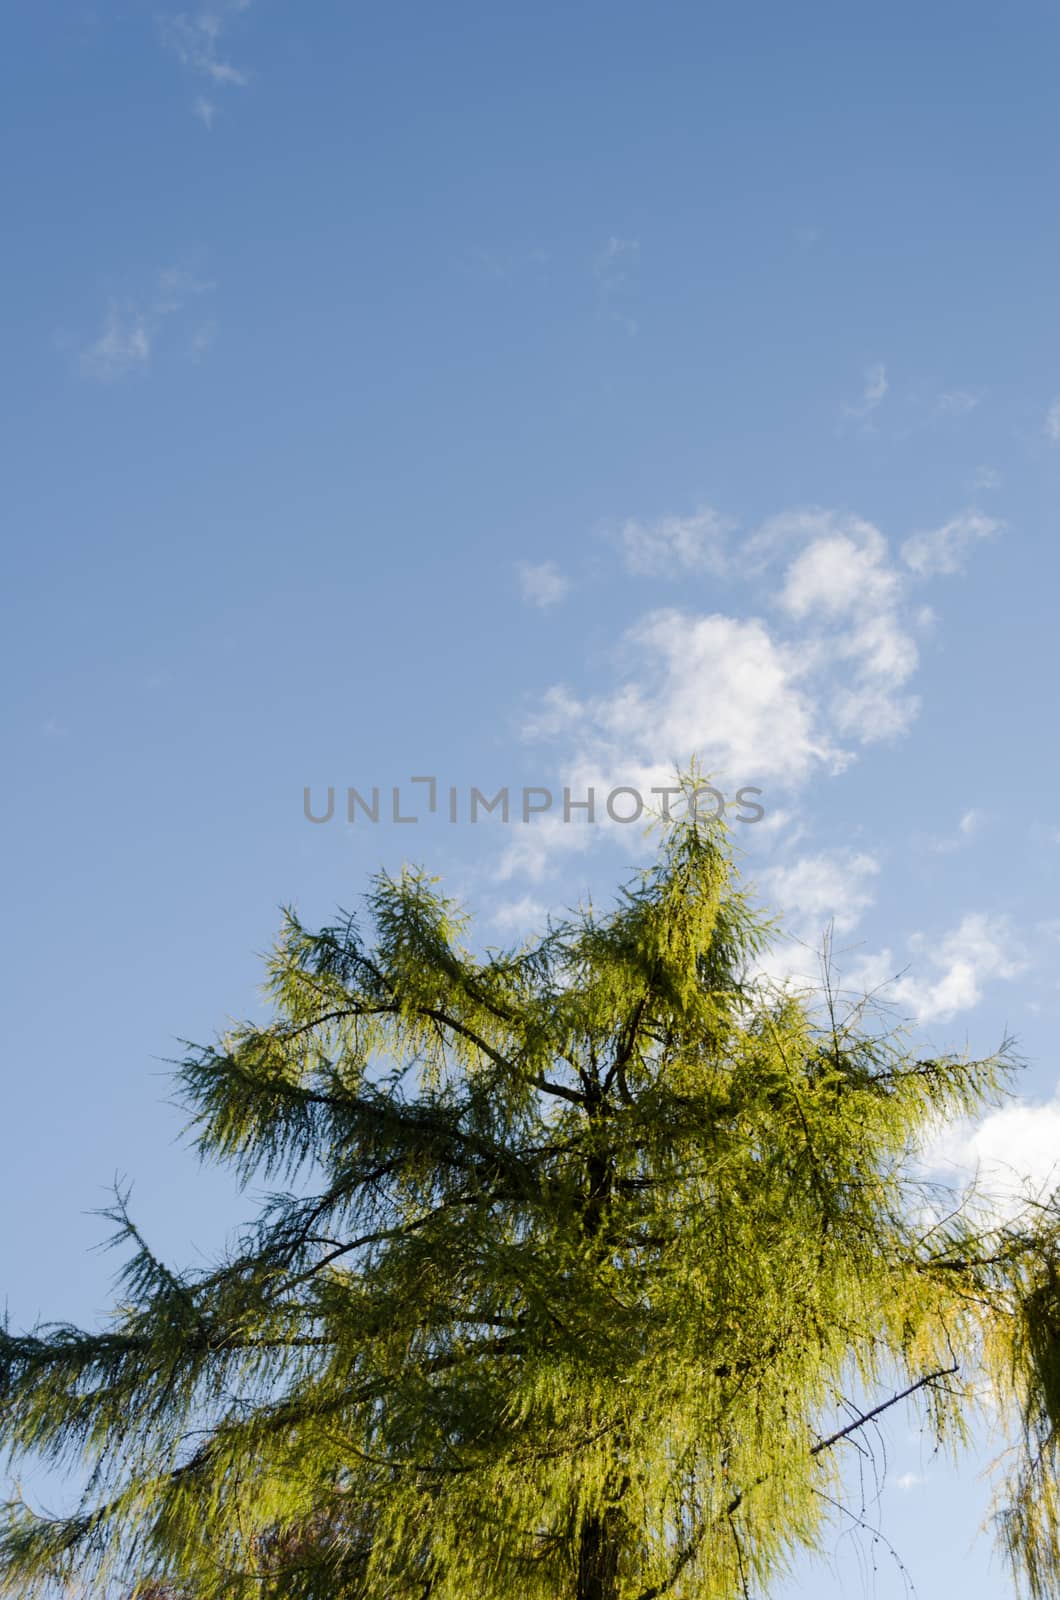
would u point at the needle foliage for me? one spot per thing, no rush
(590, 1263)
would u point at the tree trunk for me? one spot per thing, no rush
(598, 1559)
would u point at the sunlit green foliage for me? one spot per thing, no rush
(588, 1246)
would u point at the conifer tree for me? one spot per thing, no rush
(580, 1257)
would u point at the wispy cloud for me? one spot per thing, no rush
(520, 916)
(131, 328)
(986, 478)
(945, 549)
(123, 346)
(502, 264)
(202, 340)
(833, 886)
(872, 395)
(970, 825)
(616, 268)
(672, 547)
(1052, 423)
(979, 950)
(543, 585)
(197, 40)
(957, 402)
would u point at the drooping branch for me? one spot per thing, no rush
(885, 1405)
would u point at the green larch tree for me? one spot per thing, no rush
(581, 1254)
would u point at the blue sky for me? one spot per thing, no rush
(522, 396)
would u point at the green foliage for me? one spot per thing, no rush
(584, 1249)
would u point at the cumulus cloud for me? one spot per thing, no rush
(840, 572)
(773, 699)
(542, 585)
(842, 587)
(715, 684)
(752, 698)
(1013, 1152)
(945, 549)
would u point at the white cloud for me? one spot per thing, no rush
(943, 550)
(175, 287)
(597, 771)
(970, 824)
(840, 573)
(1014, 1151)
(534, 851)
(957, 402)
(909, 1480)
(194, 41)
(617, 257)
(502, 264)
(615, 269)
(673, 546)
(796, 527)
(1052, 422)
(543, 585)
(986, 478)
(830, 887)
(520, 916)
(203, 339)
(719, 685)
(841, 583)
(123, 346)
(771, 700)
(560, 713)
(979, 950)
(130, 331)
(873, 393)
(811, 894)
(195, 38)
